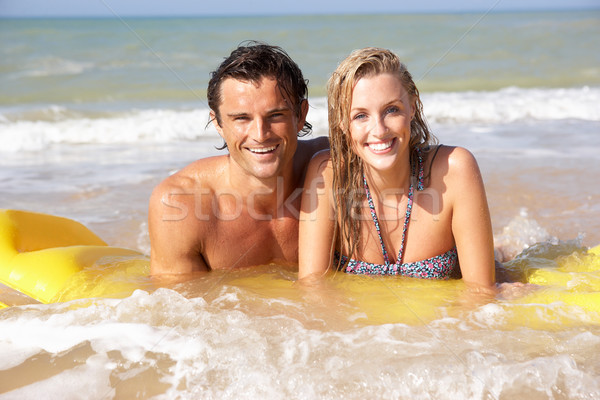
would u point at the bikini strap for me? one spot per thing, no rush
(375, 220)
(405, 227)
(409, 205)
(420, 178)
(406, 215)
(432, 159)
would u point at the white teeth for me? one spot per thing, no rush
(381, 146)
(263, 149)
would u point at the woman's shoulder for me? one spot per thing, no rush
(461, 161)
(452, 165)
(455, 171)
(450, 159)
(308, 148)
(319, 169)
(320, 161)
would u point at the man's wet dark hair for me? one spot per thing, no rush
(251, 61)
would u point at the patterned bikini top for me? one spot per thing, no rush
(437, 267)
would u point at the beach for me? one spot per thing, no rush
(94, 113)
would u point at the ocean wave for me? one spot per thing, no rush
(512, 104)
(36, 129)
(158, 126)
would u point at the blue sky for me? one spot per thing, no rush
(122, 8)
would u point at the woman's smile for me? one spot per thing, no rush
(382, 146)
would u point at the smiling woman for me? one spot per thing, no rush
(438, 224)
(381, 105)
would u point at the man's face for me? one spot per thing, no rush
(259, 125)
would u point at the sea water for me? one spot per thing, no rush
(95, 112)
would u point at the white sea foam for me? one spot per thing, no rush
(176, 347)
(519, 234)
(513, 104)
(36, 130)
(158, 126)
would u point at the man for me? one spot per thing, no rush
(240, 209)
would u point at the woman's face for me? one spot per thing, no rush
(380, 116)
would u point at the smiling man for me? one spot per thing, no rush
(240, 209)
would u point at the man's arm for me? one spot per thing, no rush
(175, 231)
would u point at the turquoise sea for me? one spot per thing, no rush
(95, 112)
(140, 62)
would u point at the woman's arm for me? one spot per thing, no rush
(317, 219)
(471, 223)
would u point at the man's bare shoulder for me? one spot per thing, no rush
(308, 147)
(177, 222)
(311, 146)
(204, 174)
(183, 192)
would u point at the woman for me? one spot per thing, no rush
(385, 199)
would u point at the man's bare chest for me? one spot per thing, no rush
(247, 241)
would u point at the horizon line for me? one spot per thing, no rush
(308, 14)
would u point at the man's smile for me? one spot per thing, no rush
(262, 150)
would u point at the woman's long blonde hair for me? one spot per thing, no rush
(348, 168)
